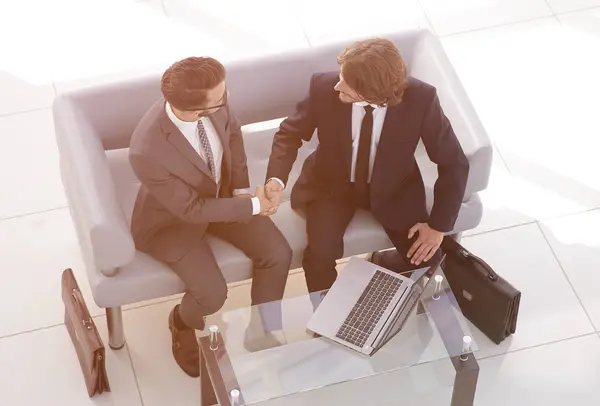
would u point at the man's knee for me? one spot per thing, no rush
(212, 298)
(198, 304)
(325, 248)
(276, 255)
(283, 255)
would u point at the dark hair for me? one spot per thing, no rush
(375, 70)
(185, 83)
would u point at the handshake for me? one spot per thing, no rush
(269, 197)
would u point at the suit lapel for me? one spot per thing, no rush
(219, 122)
(176, 138)
(344, 119)
(395, 117)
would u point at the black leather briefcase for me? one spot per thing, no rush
(485, 298)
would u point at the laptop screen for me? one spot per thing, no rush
(406, 306)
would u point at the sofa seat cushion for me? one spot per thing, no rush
(145, 278)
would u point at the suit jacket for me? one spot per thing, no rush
(396, 189)
(176, 200)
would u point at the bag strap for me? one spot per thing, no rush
(451, 246)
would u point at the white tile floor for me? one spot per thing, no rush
(531, 68)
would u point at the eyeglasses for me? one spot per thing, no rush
(218, 106)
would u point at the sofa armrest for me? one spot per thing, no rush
(431, 64)
(101, 225)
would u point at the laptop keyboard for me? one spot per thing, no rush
(369, 308)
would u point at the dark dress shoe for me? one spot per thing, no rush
(185, 347)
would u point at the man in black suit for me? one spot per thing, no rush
(369, 117)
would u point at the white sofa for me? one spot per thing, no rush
(94, 125)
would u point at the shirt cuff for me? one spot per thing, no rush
(242, 192)
(278, 181)
(255, 206)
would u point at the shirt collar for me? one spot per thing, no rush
(179, 123)
(364, 104)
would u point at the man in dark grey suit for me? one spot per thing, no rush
(369, 118)
(189, 155)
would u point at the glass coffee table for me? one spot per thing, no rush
(263, 355)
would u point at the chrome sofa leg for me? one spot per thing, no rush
(116, 332)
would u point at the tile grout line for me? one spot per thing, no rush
(292, 272)
(551, 218)
(566, 276)
(561, 216)
(306, 36)
(597, 333)
(165, 300)
(108, 348)
(164, 8)
(33, 213)
(553, 13)
(134, 307)
(25, 111)
(34, 330)
(500, 25)
(137, 383)
(526, 20)
(431, 26)
(502, 158)
(472, 235)
(298, 19)
(579, 10)
(171, 299)
(550, 7)
(558, 21)
(528, 223)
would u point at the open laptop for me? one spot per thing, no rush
(367, 305)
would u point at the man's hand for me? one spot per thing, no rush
(426, 245)
(266, 206)
(274, 192)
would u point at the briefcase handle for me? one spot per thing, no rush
(86, 319)
(484, 266)
(449, 244)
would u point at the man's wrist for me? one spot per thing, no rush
(434, 229)
(278, 181)
(238, 192)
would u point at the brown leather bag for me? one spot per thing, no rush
(85, 337)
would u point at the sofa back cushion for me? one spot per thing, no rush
(261, 89)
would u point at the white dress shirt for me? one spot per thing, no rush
(358, 113)
(189, 129)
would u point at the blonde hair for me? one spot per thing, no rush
(375, 70)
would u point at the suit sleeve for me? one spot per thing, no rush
(182, 201)
(239, 164)
(295, 129)
(444, 150)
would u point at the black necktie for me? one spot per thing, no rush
(361, 171)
